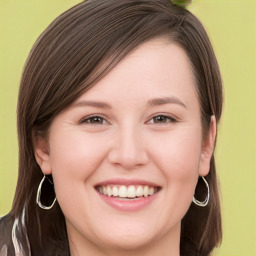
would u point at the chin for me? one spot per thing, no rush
(128, 240)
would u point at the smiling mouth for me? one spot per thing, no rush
(131, 192)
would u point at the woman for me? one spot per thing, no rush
(117, 115)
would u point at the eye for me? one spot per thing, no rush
(162, 119)
(94, 120)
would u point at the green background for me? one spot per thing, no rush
(231, 25)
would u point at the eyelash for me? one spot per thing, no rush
(164, 119)
(89, 120)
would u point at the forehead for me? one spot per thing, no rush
(157, 68)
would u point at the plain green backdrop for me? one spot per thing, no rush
(231, 25)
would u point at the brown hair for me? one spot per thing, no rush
(72, 54)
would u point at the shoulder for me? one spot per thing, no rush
(6, 245)
(6, 224)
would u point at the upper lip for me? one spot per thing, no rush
(126, 182)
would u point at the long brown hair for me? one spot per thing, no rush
(72, 54)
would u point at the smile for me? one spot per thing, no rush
(123, 192)
(128, 195)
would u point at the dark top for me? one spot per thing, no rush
(13, 241)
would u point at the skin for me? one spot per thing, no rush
(130, 140)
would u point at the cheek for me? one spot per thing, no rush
(179, 153)
(178, 160)
(75, 153)
(175, 156)
(74, 158)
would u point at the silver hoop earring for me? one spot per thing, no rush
(206, 201)
(38, 196)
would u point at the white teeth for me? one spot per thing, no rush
(123, 191)
(131, 191)
(109, 191)
(139, 191)
(105, 191)
(151, 191)
(146, 190)
(115, 191)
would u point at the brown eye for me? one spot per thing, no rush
(161, 119)
(94, 120)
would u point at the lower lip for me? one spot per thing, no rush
(128, 205)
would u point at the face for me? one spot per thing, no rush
(126, 156)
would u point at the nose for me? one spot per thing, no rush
(128, 149)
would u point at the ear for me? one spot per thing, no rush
(42, 154)
(207, 149)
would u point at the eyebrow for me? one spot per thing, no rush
(96, 104)
(166, 100)
(152, 103)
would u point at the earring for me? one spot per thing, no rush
(206, 201)
(38, 196)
